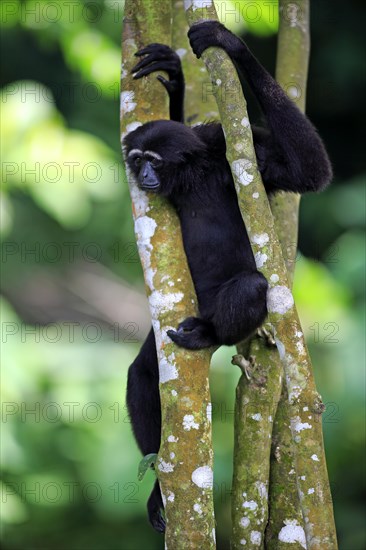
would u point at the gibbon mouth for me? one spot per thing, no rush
(150, 187)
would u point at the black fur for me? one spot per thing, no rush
(190, 168)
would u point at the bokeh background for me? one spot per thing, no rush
(73, 307)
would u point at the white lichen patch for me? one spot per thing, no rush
(133, 126)
(244, 522)
(209, 412)
(197, 508)
(149, 277)
(172, 439)
(250, 504)
(161, 303)
(240, 169)
(315, 458)
(295, 379)
(305, 408)
(127, 102)
(145, 230)
(189, 423)
(262, 489)
(311, 491)
(243, 542)
(295, 393)
(260, 259)
(257, 417)
(171, 456)
(171, 496)
(292, 532)
(239, 147)
(139, 198)
(181, 52)
(162, 338)
(302, 426)
(274, 278)
(165, 467)
(174, 393)
(245, 122)
(197, 4)
(293, 92)
(261, 239)
(279, 299)
(255, 538)
(303, 478)
(255, 195)
(124, 73)
(300, 348)
(299, 426)
(130, 44)
(187, 402)
(167, 368)
(218, 82)
(203, 477)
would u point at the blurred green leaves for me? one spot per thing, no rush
(62, 169)
(259, 17)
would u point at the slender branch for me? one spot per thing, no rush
(184, 468)
(199, 103)
(305, 404)
(291, 72)
(257, 396)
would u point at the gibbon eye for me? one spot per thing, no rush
(137, 161)
(156, 163)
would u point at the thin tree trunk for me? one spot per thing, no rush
(200, 104)
(285, 517)
(257, 395)
(283, 507)
(184, 468)
(305, 403)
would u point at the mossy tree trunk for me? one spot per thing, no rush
(293, 48)
(200, 104)
(275, 458)
(184, 468)
(305, 404)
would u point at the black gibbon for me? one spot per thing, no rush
(188, 165)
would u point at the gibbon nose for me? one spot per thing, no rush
(148, 178)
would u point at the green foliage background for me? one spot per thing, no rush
(69, 461)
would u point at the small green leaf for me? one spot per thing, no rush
(147, 462)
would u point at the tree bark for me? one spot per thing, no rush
(200, 104)
(184, 468)
(305, 405)
(293, 48)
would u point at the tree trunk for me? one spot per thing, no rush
(305, 405)
(185, 469)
